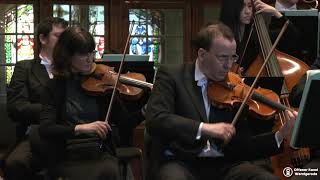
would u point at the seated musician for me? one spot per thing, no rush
(238, 15)
(27, 83)
(187, 131)
(70, 113)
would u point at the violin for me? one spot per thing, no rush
(263, 103)
(103, 78)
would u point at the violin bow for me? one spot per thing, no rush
(236, 117)
(245, 47)
(119, 72)
(249, 37)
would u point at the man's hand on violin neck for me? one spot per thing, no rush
(99, 127)
(221, 130)
(287, 127)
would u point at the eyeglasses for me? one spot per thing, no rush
(227, 58)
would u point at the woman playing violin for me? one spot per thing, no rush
(69, 113)
(237, 14)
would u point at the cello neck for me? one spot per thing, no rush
(273, 67)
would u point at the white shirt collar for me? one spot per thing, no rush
(47, 64)
(280, 7)
(198, 74)
(45, 61)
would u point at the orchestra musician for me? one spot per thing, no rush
(27, 83)
(237, 14)
(70, 115)
(186, 130)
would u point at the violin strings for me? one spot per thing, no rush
(135, 82)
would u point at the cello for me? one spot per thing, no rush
(292, 69)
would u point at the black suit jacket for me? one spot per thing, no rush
(175, 111)
(29, 80)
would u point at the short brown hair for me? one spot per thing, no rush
(73, 40)
(45, 27)
(209, 32)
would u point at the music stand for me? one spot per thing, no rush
(129, 57)
(307, 125)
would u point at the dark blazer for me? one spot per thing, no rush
(27, 83)
(175, 111)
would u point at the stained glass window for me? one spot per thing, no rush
(90, 17)
(158, 33)
(16, 35)
(62, 11)
(146, 33)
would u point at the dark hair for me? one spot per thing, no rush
(209, 32)
(230, 15)
(73, 40)
(45, 27)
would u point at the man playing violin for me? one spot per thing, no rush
(191, 139)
